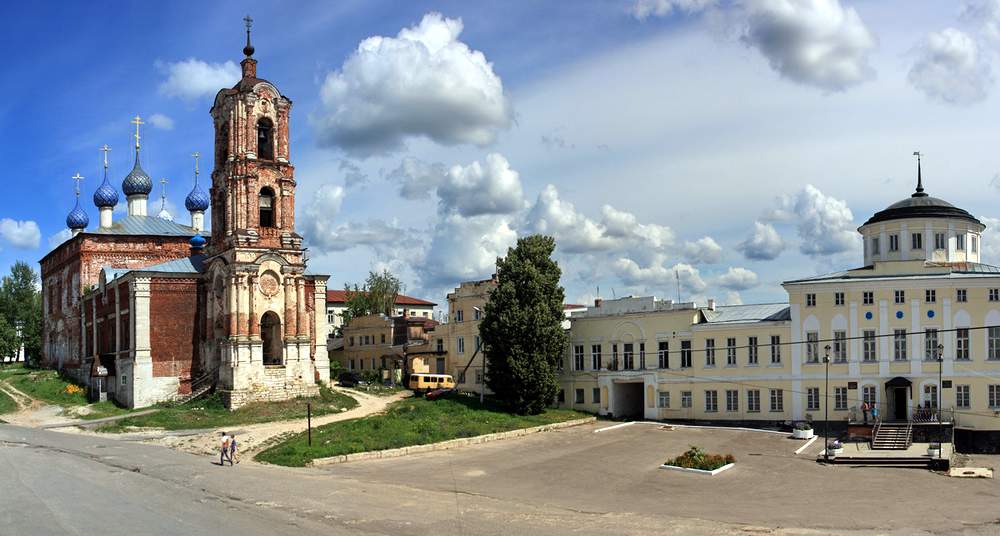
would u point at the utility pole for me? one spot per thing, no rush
(826, 407)
(940, 393)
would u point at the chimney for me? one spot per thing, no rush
(711, 304)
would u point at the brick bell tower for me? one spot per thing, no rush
(258, 299)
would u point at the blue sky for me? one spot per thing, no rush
(734, 144)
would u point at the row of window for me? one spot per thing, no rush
(776, 398)
(459, 344)
(477, 314)
(917, 242)
(869, 348)
(629, 362)
(365, 340)
(899, 296)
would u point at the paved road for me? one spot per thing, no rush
(565, 482)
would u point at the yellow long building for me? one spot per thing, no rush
(918, 323)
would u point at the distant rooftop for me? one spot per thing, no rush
(754, 312)
(146, 226)
(955, 269)
(340, 296)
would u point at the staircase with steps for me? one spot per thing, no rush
(200, 386)
(892, 436)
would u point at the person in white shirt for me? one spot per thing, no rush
(224, 453)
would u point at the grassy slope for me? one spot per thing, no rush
(7, 403)
(211, 413)
(407, 422)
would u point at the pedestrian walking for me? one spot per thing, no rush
(224, 453)
(875, 411)
(232, 449)
(864, 409)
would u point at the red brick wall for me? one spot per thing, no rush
(174, 327)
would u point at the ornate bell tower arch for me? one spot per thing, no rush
(255, 251)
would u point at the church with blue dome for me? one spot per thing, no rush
(143, 309)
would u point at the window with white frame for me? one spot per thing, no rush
(916, 241)
(995, 294)
(931, 396)
(663, 354)
(459, 316)
(642, 355)
(731, 352)
(578, 357)
(812, 347)
(993, 343)
(900, 296)
(477, 314)
(628, 361)
(961, 295)
(899, 344)
(930, 295)
(685, 399)
(840, 346)
(939, 241)
(838, 298)
(753, 401)
(614, 357)
(595, 357)
(868, 345)
(709, 352)
(993, 393)
(664, 399)
(812, 398)
(685, 354)
(894, 242)
(875, 246)
(775, 349)
(868, 395)
(930, 344)
(711, 401)
(962, 396)
(777, 400)
(867, 297)
(732, 400)
(974, 242)
(751, 350)
(840, 398)
(962, 344)
(460, 344)
(960, 242)
(810, 300)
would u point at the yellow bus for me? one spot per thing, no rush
(422, 383)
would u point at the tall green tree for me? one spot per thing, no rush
(378, 295)
(21, 305)
(522, 334)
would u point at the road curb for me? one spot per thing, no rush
(445, 445)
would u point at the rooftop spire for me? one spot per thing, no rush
(77, 178)
(920, 180)
(163, 201)
(248, 50)
(137, 121)
(105, 149)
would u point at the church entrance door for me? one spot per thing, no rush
(270, 334)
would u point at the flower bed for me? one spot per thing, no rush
(697, 460)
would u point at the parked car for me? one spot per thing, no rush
(439, 393)
(350, 379)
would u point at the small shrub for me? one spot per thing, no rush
(72, 389)
(803, 426)
(695, 458)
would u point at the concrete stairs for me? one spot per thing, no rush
(200, 386)
(892, 436)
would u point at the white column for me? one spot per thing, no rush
(198, 220)
(917, 338)
(105, 218)
(885, 344)
(142, 363)
(797, 410)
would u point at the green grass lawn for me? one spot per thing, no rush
(46, 385)
(7, 403)
(415, 421)
(211, 413)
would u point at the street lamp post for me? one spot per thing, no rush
(940, 393)
(826, 407)
(482, 386)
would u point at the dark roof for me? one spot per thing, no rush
(921, 205)
(145, 226)
(340, 296)
(867, 272)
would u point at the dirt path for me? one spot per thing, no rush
(253, 437)
(31, 412)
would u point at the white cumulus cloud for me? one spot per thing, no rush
(737, 279)
(60, 237)
(476, 189)
(574, 232)
(951, 67)
(657, 273)
(764, 244)
(814, 42)
(704, 250)
(463, 249)
(424, 82)
(417, 179)
(318, 225)
(193, 78)
(161, 121)
(20, 234)
(825, 225)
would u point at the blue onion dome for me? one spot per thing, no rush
(198, 241)
(137, 182)
(106, 195)
(197, 200)
(77, 218)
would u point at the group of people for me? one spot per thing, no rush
(867, 408)
(228, 451)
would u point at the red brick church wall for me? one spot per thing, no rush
(175, 328)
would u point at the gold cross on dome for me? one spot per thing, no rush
(105, 149)
(248, 21)
(77, 178)
(137, 121)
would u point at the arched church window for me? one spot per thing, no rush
(265, 139)
(270, 334)
(266, 202)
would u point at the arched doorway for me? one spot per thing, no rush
(270, 334)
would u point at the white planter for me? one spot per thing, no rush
(835, 452)
(934, 453)
(699, 471)
(802, 434)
